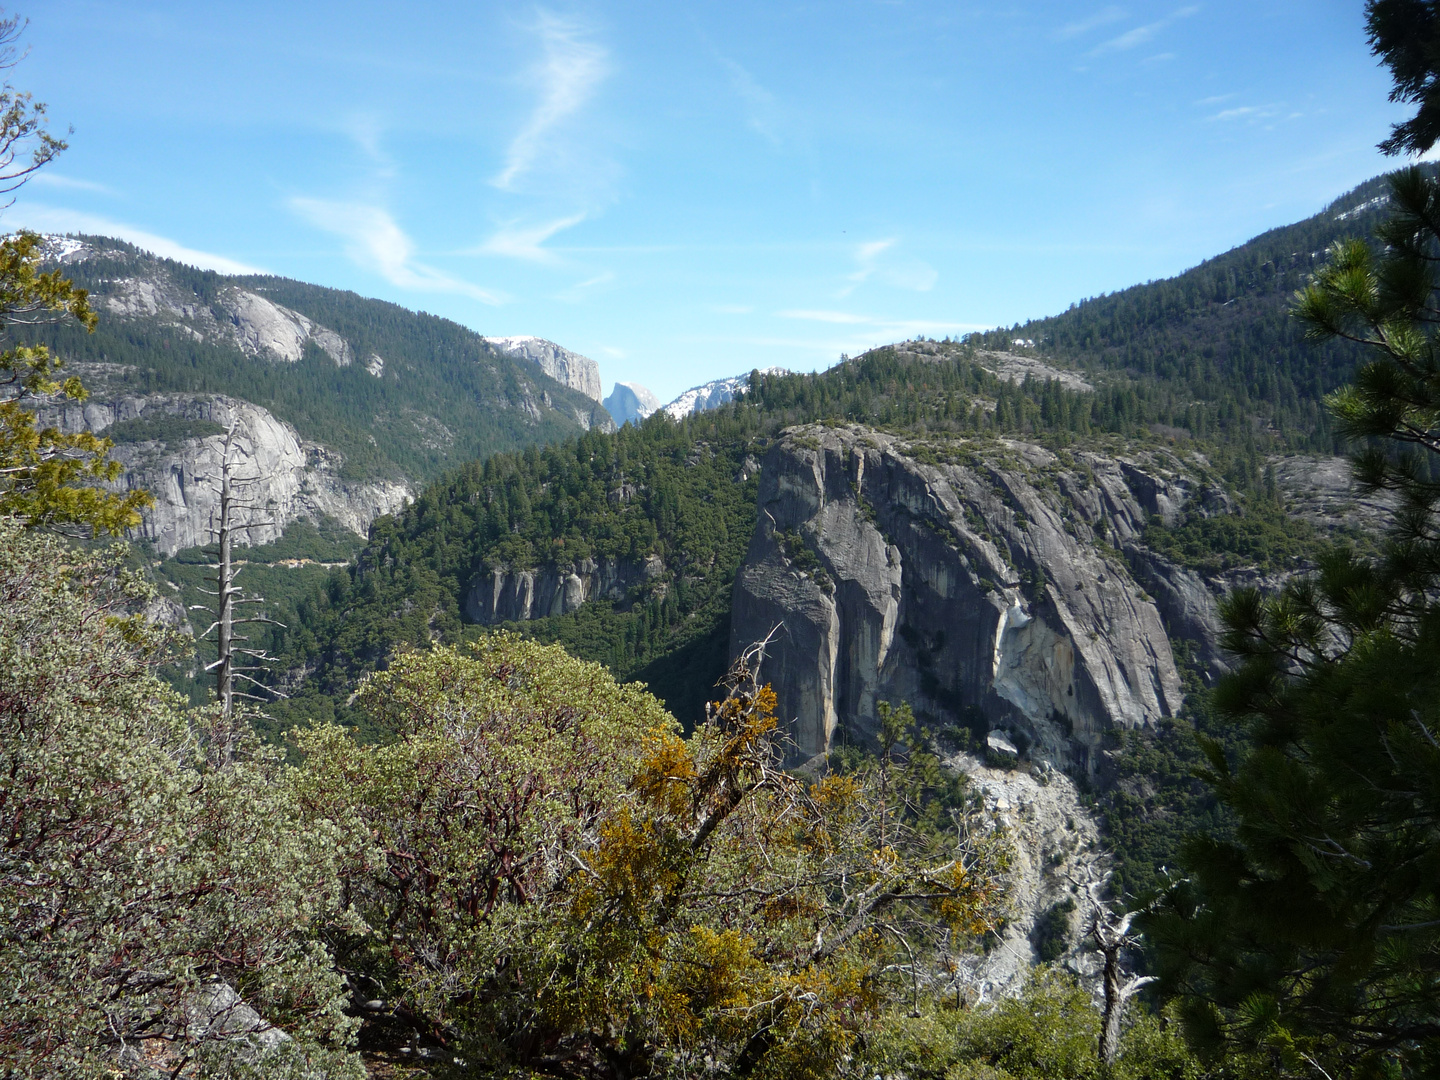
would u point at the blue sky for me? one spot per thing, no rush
(685, 191)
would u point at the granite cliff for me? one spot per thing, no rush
(565, 367)
(630, 402)
(506, 595)
(987, 579)
(281, 474)
(345, 404)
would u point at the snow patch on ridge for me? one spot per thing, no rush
(713, 394)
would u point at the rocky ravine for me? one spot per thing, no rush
(963, 576)
(1055, 843)
(286, 477)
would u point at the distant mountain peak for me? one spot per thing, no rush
(630, 402)
(716, 392)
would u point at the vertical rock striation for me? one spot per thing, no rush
(973, 584)
(565, 367)
(285, 478)
(506, 595)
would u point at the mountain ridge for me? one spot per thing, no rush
(354, 403)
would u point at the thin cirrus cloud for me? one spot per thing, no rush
(374, 240)
(568, 76)
(524, 241)
(1106, 15)
(845, 318)
(367, 130)
(57, 219)
(1142, 34)
(913, 274)
(1248, 112)
(69, 183)
(761, 110)
(880, 325)
(583, 290)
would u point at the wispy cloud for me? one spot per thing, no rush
(567, 77)
(69, 183)
(1248, 112)
(582, 291)
(1141, 34)
(516, 241)
(881, 326)
(373, 240)
(56, 219)
(913, 274)
(867, 252)
(761, 111)
(368, 130)
(1217, 99)
(1104, 17)
(845, 317)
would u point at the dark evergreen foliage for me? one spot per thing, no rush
(1215, 350)
(1405, 34)
(1314, 933)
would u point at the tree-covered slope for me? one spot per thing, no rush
(439, 394)
(1217, 342)
(682, 491)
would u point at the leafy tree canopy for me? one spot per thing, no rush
(568, 886)
(135, 876)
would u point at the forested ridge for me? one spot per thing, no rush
(445, 395)
(1218, 341)
(962, 814)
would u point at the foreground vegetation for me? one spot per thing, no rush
(539, 871)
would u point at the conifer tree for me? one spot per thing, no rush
(1314, 935)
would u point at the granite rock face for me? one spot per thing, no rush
(257, 326)
(517, 595)
(1056, 842)
(987, 580)
(285, 477)
(1322, 491)
(565, 367)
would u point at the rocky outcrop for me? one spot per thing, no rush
(565, 367)
(1322, 491)
(283, 477)
(630, 403)
(257, 326)
(1054, 842)
(1188, 603)
(1011, 366)
(966, 579)
(505, 595)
